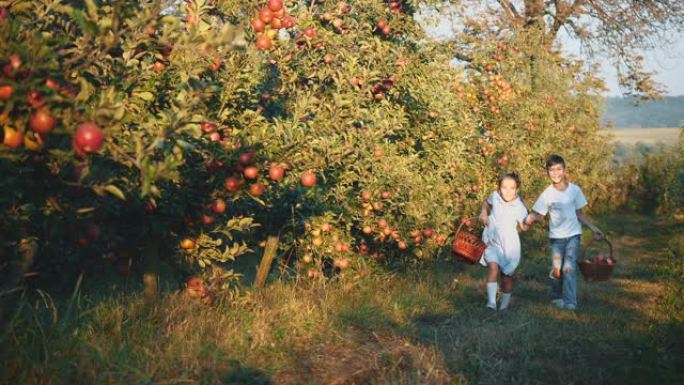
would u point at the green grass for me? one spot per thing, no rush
(422, 326)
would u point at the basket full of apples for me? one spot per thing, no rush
(597, 267)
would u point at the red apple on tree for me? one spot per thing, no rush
(6, 91)
(36, 99)
(263, 42)
(42, 121)
(276, 23)
(187, 243)
(158, 67)
(207, 219)
(15, 61)
(33, 142)
(218, 206)
(88, 138)
(279, 14)
(289, 22)
(232, 183)
(192, 19)
(308, 179)
(258, 25)
(215, 65)
(52, 84)
(275, 5)
(246, 158)
(276, 172)
(251, 172)
(265, 15)
(12, 137)
(208, 127)
(257, 189)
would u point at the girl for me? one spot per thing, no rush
(502, 212)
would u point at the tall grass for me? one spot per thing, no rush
(422, 326)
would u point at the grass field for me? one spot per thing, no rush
(419, 326)
(646, 135)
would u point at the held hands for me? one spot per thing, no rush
(523, 226)
(528, 222)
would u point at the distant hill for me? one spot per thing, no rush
(668, 112)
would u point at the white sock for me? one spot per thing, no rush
(491, 292)
(505, 300)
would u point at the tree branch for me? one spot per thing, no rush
(510, 9)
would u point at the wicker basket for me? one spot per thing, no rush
(596, 270)
(467, 247)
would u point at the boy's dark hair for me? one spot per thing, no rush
(513, 175)
(553, 160)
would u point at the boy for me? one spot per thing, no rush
(563, 201)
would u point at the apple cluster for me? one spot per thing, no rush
(268, 21)
(88, 138)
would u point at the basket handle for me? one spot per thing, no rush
(458, 230)
(604, 239)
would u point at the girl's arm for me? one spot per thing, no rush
(583, 218)
(484, 213)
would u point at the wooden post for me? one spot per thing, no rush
(270, 252)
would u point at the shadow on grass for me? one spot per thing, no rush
(241, 375)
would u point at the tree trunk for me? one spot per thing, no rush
(270, 252)
(151, 273)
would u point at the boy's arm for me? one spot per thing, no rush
(583, 218)
(539, 206)
(484, 213)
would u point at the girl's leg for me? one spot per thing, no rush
(506, 283)
(492, 272)
(492, 275)
(507, 288)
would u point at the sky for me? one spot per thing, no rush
(668, 62)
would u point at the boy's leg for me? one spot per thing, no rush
(557, 251)
(572, 250)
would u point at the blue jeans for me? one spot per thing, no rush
(564, 254)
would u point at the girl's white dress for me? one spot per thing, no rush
(501, 234)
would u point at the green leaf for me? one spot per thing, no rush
(144, 95)
(115, 191)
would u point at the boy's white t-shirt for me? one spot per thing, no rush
(562, 208)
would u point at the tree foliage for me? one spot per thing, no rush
(349, 135)
(618, 29)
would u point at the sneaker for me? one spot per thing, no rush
(559, 303)
(491, 305)
(570, 307)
